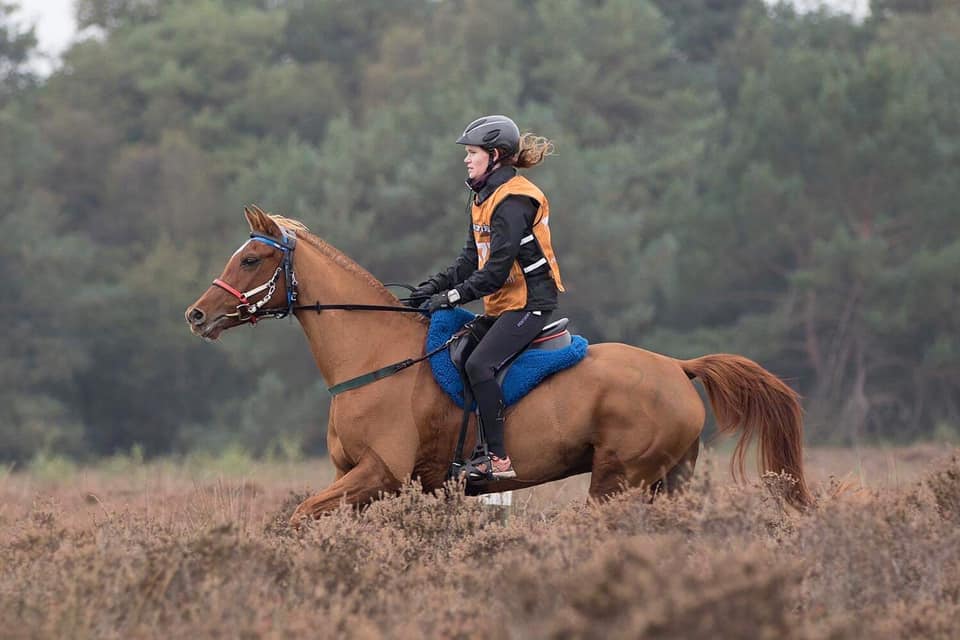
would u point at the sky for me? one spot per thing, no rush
(56, 26)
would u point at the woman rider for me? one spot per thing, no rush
(507, 260)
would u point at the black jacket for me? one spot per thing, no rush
(511, 221)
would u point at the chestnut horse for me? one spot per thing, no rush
(628, 416)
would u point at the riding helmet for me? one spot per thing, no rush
(492, 132)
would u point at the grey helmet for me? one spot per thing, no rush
(492, 132)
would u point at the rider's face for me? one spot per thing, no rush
(476, 161)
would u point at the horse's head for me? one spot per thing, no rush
(255, 281)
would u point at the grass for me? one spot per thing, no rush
(194, 549)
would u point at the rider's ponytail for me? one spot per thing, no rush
(533, 149)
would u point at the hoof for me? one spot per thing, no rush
(300, 514)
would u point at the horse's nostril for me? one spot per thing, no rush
(196, 316)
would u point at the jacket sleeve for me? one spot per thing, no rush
(462, 267)
(511, 221)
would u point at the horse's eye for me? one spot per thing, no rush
(250, 261)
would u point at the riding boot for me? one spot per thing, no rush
(490, 402)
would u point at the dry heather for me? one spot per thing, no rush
(140, 556)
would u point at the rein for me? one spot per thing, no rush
(252, 311)
(346, 307)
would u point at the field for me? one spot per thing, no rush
(162, 550)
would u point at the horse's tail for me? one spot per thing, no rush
(744, 394)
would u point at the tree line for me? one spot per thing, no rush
(729, 177)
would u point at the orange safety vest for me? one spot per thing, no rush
(513, 294)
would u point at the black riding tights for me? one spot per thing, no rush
(510, 332)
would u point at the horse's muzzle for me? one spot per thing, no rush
(199, 326)
(195, 316)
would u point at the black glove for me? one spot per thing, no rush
(422, 293)
(445, 300)
(439, 301)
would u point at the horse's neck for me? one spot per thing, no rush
(346, 344)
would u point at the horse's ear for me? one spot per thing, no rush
(251, 218)
(261, 222)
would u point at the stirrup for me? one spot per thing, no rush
(473, 473)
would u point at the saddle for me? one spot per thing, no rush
(553, 337)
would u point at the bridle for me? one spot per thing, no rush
(252, 311)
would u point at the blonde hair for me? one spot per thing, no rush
(533, 149)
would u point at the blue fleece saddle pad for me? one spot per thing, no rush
(527, 371)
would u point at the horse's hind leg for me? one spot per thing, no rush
(678, 477)
(653, 469)
(607, 476)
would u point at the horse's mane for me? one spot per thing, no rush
(338, 257)
(288, 223)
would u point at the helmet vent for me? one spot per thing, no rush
(492, 135)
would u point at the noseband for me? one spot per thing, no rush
(252, 311)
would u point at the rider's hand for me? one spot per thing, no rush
(438, 301)
(445, 300)
(422, 293)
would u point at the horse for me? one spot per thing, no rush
(628, 416)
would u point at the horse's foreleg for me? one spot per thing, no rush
(358, 486)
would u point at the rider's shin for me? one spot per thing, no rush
(490, 402)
